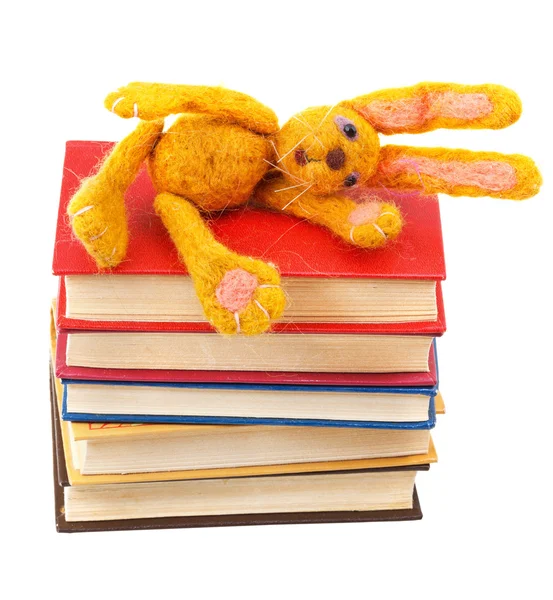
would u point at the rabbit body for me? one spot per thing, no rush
(215, 170)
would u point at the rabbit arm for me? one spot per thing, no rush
(150, 101)
(457, 172)
(429, 106)
(368, 224)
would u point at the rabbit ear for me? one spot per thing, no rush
(457, 172)
(429, 106)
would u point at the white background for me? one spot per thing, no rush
(487, 527)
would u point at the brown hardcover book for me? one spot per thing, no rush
(64, 526)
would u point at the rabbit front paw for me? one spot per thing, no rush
(372, 224)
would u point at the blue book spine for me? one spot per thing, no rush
(222, 420)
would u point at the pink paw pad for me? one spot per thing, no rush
(368, 212)
(236, 289)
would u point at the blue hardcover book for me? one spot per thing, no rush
(247, 404)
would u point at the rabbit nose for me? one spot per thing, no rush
(335, 159)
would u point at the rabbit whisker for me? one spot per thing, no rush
(313, 143)
(306, 124)
(283, 171)
(320, 143)
(275, 149)
(291, 187)
(292, 148)
(303, 122)
(326, 116)
(295, 198)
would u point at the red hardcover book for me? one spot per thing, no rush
(299, 248)
(423, 379)
(434, 328)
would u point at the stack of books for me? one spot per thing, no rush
(159, 421)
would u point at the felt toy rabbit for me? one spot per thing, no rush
(226, 148)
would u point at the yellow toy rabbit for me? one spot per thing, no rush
(226, 148)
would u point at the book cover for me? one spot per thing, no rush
(417, 379)
(110, 431)
(306, 250)
(61, 479)
(434, 328)
(80, 431)
(234, 420)
(91, 431)
(95, 431)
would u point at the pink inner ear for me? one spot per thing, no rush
(485, 174)
(460, 106)
(399, 114)
(416, 111)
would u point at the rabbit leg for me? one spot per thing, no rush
(369, 224)
(238, 294)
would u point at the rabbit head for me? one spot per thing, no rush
(329, 148)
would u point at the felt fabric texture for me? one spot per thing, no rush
(227, 147)
(326, 155)
(367, 224)
(236, 289)
(97, 210)
(150, 101)
(213, 163)
(457, 172)
(427, 106)
(209, 264)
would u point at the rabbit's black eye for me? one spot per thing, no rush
(350, 130)
(347, 128)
